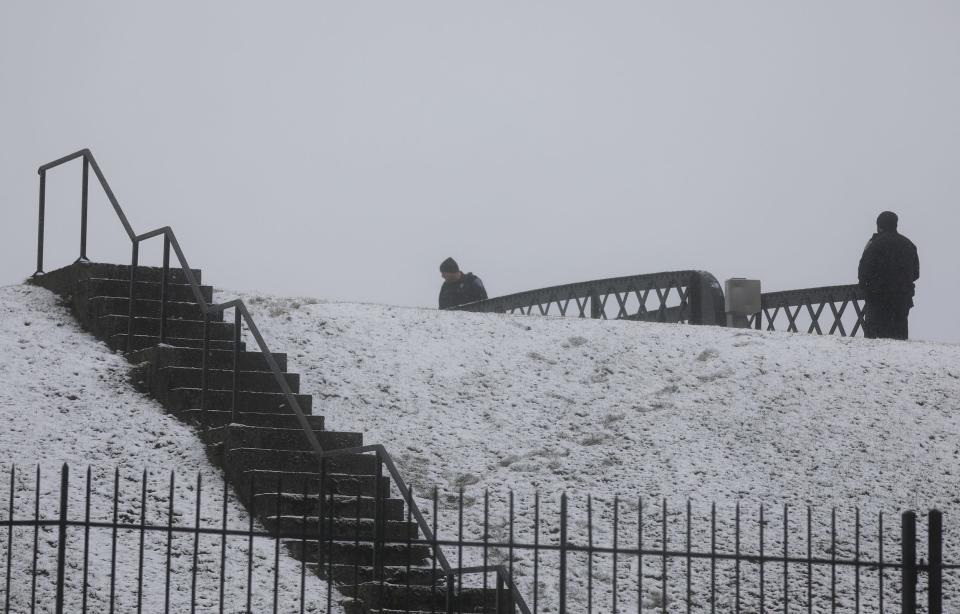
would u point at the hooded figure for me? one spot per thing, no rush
(458, 287)
(888, 269)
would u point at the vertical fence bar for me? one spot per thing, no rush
(253, 494)
(935, 561)
(563, 553)
(713, 557)
(536, 549)
(880, 556)
(166, 589)
(134, 261)
(809, 560)
(639, 555)
(143, 525)
(411, 529)
(196, 548)
(486, 543)
(163, 288)
(436, 546)
(908, 533)
(762, 593)
(84, 191)
(460, 553)
(510, 553)
(736, 566)
(616, 528)
(40, 223)
(786, 564)
(36, 540)
(689, 561)
(223, 541)
(833, 560)
(86, 542)
(113, 537)
(236, 362)
(856, 558)
(276, 544)
(62, 537)
(330, 515)
(589, 554)
(13, 484)
(303, 544)
(663, 579)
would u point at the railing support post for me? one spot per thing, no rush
(134, 260)
(378, 522)
(908, 539)
(935, 561)
(43, 205)
(236, 362)
(62, 542)
(596, 307)
(163, 288)
(83, 210)
(204, 366)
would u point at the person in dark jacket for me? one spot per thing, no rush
(888, 269)
(459, 287)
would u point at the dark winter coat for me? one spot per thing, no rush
(467, 290)
(889, 266)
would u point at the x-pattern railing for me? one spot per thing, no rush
(812, 302)
(699, 299)
(241, 314)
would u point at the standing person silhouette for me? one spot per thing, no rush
(888, 269)
(458, 287)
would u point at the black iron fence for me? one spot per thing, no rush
(113, 542)
(829, 310)
(693, 297)
(677, 296)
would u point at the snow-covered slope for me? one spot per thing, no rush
(65, 398)
(664, 412)
(606, 406)
(546, 405)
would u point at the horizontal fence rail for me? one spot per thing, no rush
(693, 297)
(110, 542)
(826, 310)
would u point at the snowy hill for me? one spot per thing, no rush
(632, 408)
(532, 404)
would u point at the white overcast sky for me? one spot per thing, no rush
(342, 150)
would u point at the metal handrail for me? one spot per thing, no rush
(241, 312)
(700, 303)
(844, 295)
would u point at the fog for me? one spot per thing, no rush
(342, 150)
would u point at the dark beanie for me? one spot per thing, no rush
(449, 266)
(887, 221)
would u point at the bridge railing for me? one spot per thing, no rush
(693, 297)
(828, 310)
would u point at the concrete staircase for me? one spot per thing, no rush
(264, 452)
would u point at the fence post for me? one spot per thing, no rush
(83, 210)
(62, 543)
(43, 203)
(935, 557)
(596, 307)
(563, 553)
(163, 288)
(908, 545)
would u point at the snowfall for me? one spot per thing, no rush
(654, 415)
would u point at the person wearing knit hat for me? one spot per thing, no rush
(458, 287)
(888, 269)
